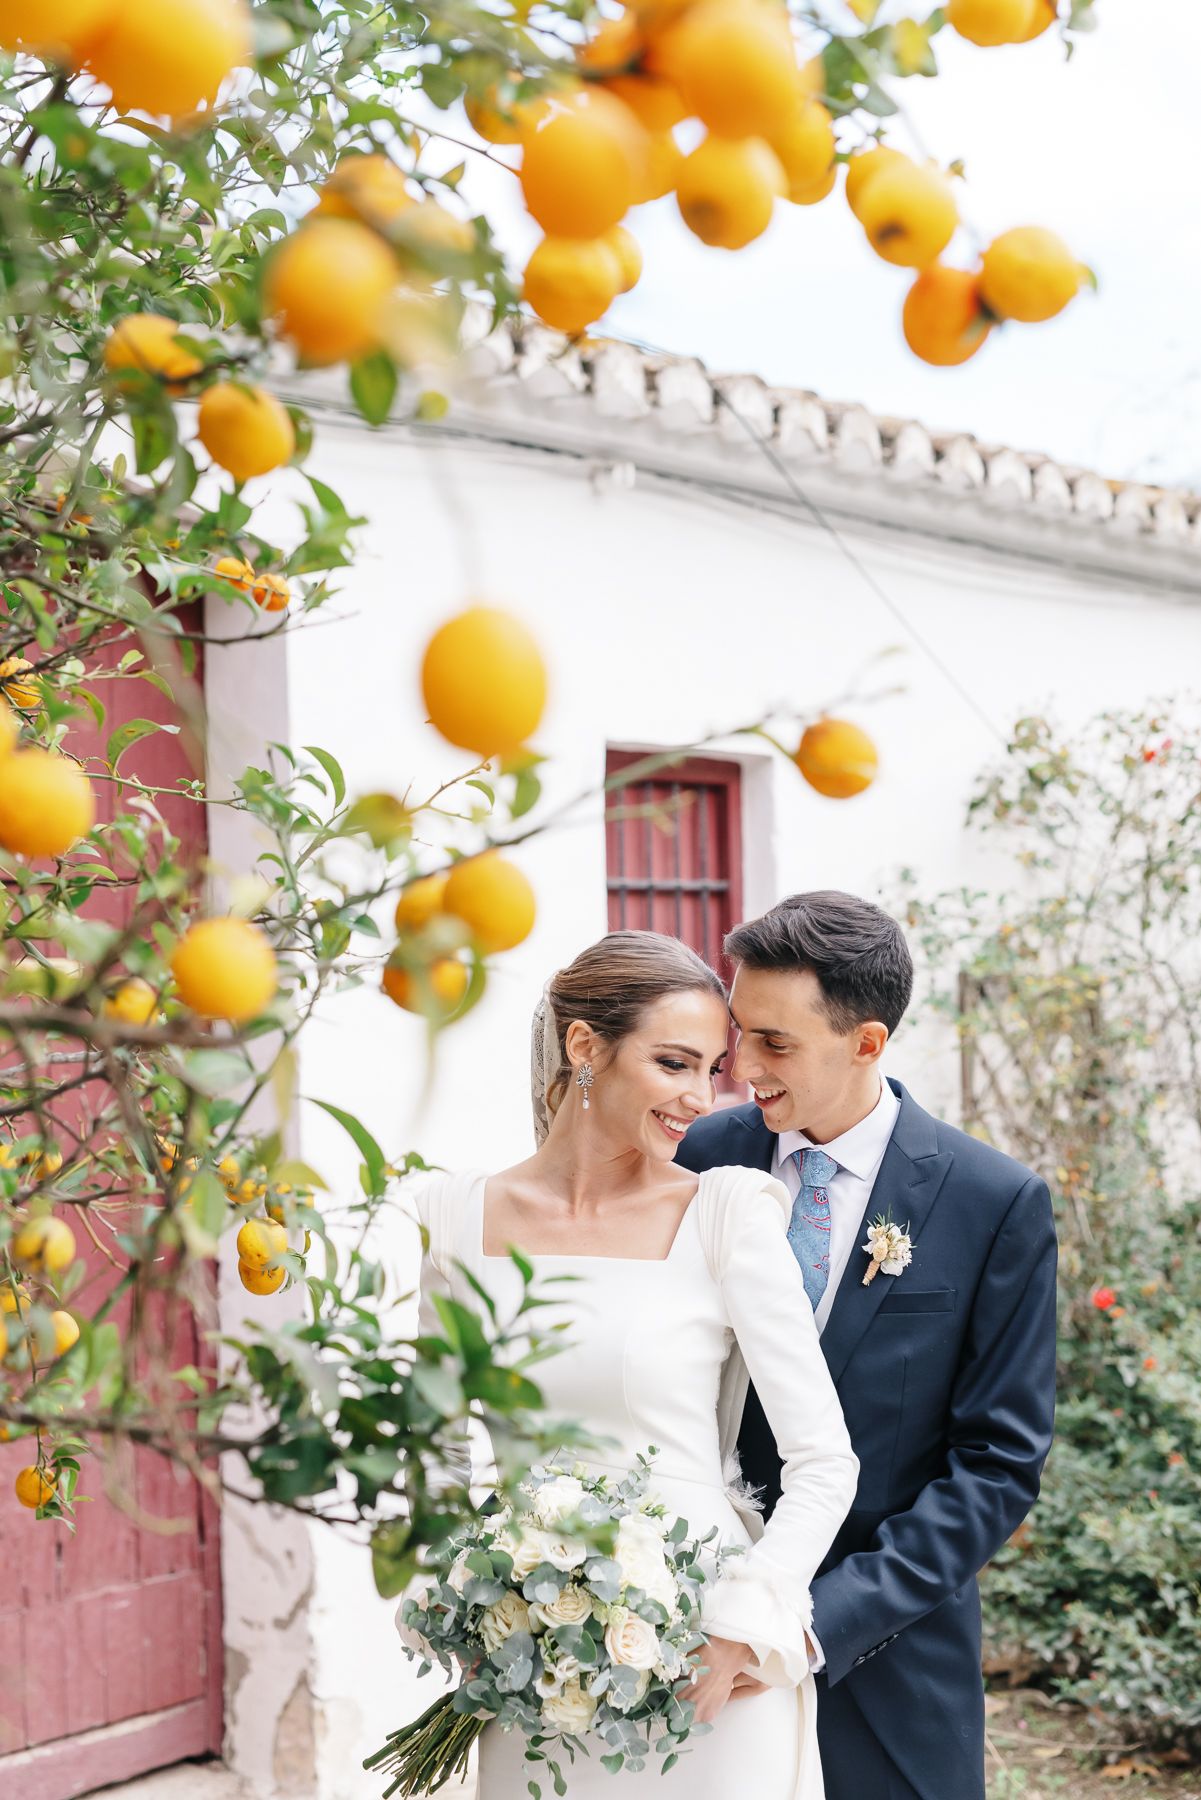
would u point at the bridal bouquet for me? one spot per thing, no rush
(573, 1615)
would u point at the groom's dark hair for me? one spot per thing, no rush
(857, 952)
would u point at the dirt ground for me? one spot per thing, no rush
(1039, 1751)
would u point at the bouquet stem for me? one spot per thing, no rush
(423, 1755)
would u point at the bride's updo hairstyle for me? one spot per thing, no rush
(611, 984)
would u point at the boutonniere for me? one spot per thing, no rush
(889, 1248)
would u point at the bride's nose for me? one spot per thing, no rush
(699, 1095)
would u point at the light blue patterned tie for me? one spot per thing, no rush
(809, 1226)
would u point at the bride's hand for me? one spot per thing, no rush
(722, 1663)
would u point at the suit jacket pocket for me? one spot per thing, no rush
(912, 1300)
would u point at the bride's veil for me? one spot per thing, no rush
(544, 1062)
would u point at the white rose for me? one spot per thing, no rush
(458, 1575)
(630, 1640)
(638, 1553)
(565, 1553)
(510, 1614)
(561, 1670)
(537, 1546)
(571, 1711)
(555, 1499)
(570, 1607)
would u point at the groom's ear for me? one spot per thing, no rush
(870, 1039)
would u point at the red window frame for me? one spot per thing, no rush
(678, 870)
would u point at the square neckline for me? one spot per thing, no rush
(653, 1262)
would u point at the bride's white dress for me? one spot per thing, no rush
(658, 1353)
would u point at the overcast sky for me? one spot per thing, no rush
(1105, 149)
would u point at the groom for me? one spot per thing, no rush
(945, 1370)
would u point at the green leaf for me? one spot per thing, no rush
(526, 794)
(208, 1203)
(393, 1557)
(214, 1072)
(369, 1150)
(373, 385)
(440, 1388)
(333, 769)
(131, 733)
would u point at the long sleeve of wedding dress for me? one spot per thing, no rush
(764, 1598)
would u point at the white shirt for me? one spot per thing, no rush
(858, 1153)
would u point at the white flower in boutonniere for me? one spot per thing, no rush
(889, 1248)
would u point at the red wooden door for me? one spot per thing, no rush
(110, 1640)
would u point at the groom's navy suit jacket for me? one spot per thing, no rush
(946, 1374)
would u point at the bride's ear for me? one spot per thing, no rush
(580, 1043)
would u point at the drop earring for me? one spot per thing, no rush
(583, 1080)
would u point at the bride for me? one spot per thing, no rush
(682, 1288)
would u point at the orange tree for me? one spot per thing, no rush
(189, 189)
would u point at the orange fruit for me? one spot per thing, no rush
(66, 1332)
(10, 730)
(614, 48)
(864, 166)
(617, 52)
(146, 344)
(134, 1002)
(943, 320)
(1046, 12)
(44, 1164)
(484, 682)
(908, 213)
(11, 1303)
(734, 66)
(421, 901)
(261, 1241)
(727, 190)
(370, 188)
(492, 896)
(170, 56)
(661, 167)
(225, 969)
(1028, 274)
(271, 592)
(244, 429)
(326, 285)
(580, 164)
(44, 1246)
(570, 282)
(625, 248)
(805, 146)
(653, 100)
(25, 694)
(431, 231)
(655, 16)
(61, 31)
(239, 574)
(809, 193)
(261, 1281)
(837, 758)
(46, 802)
(437, 991)
(497, 117)
(990, 22)
(33, 1487)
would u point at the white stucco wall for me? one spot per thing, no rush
(665, 612)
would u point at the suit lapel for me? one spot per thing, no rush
(911, 1175)
(757, 1149)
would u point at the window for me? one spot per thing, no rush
(674, 860)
